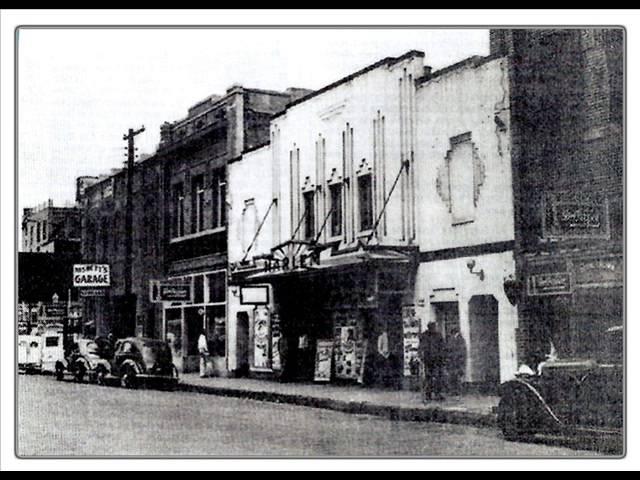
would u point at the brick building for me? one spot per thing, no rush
(179, 216)
(568, 162)
(104, 241)
(195, 152)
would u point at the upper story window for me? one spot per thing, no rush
(44, 230)
(178, 213)
(219, 193)
(38, 225)
(31, 237)
(197, 204)
(335, 193)
(365, 202)
(310, 217)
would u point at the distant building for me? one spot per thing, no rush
(47, 228)
(104, 204)
(568, 161)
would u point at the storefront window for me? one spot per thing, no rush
(217, 287)
(217, 330)
(198, 289)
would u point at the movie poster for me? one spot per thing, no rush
(411, 339)
(324, 354)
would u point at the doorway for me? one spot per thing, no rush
(242, 346)
(484, 342)
(447, 315)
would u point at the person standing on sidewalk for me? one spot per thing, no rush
(432, 353)
(203, 350)
(456, 361)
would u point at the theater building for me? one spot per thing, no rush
(568, 163)
(382, 202)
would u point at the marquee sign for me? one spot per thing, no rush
(91, 275)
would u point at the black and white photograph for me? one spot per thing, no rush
(318, 241)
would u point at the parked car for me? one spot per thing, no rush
(573, 396)
(84, 363)
(29, 353)
(139, 360)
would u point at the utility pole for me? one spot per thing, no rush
(129, 308)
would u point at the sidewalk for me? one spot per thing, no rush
(478, 410)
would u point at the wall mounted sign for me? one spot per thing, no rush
(566, 216)
(91, 275)
(172, 292)
(254, 295)
(599, 271)
(324, 355)
(55, 310)
(550, 284)
(92, 292)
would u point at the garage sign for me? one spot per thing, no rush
(91, 275)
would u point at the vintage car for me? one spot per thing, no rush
(578, 397)
(84, 363)
(139, 360)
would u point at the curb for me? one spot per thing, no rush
(415, 414)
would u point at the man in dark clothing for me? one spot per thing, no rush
(432, 354)
(456, 361)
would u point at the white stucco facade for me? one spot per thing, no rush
(431, 152)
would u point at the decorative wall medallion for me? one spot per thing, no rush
(446, 181)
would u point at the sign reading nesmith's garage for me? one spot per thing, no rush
(91, 275)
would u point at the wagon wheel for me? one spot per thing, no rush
(515, 416)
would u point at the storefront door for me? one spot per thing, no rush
(484, 341)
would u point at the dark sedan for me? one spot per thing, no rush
(139, 360)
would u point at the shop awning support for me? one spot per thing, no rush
(374, 230)
(255, 237)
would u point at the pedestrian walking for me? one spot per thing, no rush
(456, 361)
(432, 353)
(203, 350)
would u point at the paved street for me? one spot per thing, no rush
(71, 419)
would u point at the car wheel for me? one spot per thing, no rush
(101, 376)
(59, 373)
(514, 417)
(128, 378)
(81, 373)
